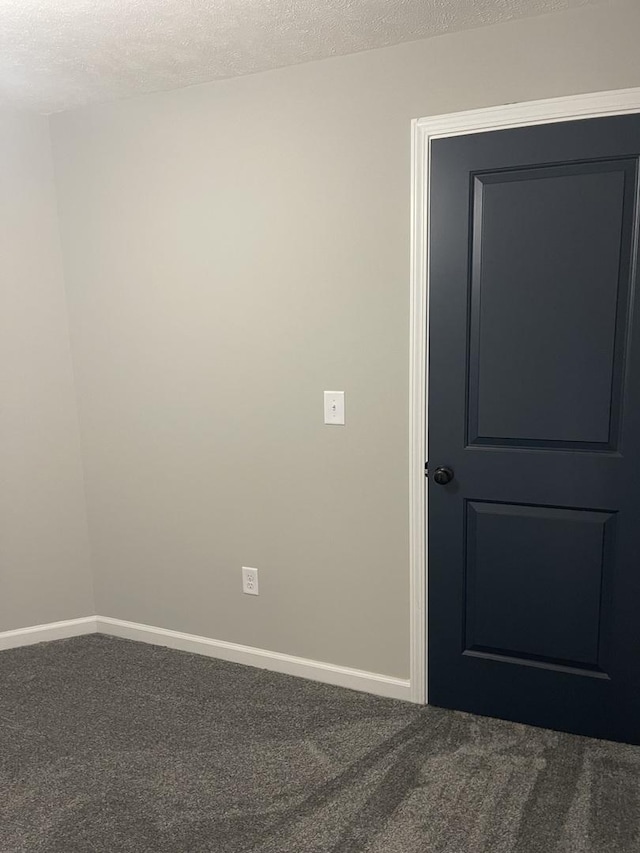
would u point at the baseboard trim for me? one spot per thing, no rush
(44, 633)
(341, 676)
(328, 673)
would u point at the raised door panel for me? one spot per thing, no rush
(536, 582)
(550, 265)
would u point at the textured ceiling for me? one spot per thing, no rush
(60, 54)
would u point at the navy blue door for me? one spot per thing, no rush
(534, 413)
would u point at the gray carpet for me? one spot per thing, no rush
(113, 746)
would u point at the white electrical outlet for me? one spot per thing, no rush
(250, 581)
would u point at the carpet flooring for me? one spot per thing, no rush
(112, 746)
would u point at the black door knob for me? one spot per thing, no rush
(442, 476)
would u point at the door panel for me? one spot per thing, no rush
(541, 361)
(533, 582)
(534, 402)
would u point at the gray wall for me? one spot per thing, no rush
(44, 553)
(232, 250)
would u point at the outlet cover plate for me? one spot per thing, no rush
(250, 581)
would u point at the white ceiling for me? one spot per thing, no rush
(60, 54)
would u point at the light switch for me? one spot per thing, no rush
(334, 407)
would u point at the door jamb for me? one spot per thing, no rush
(423, 131)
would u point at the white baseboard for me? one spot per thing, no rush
(44, 633)
(328, 673)
(342, 676)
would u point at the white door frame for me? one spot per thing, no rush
(422, 132)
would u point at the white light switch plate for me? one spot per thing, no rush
(334, 407)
